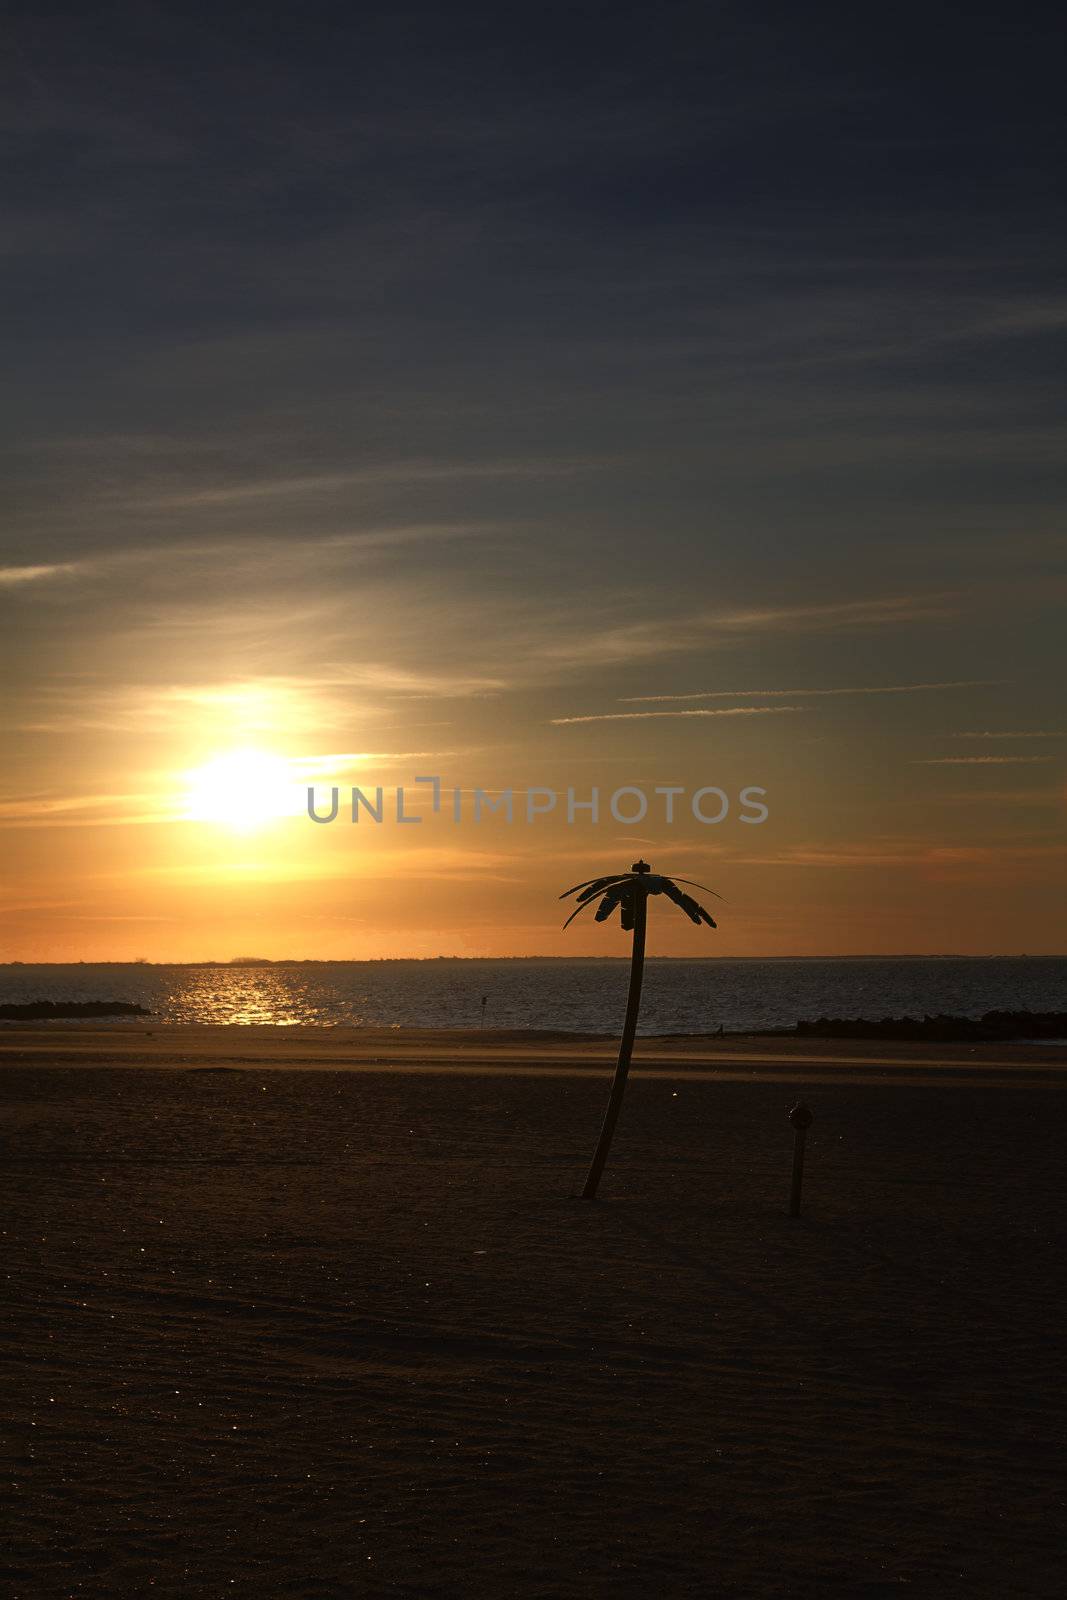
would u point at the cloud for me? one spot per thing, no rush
(583, 643)
(622, 643)
(387, 473)
(841, 615)
(1030, 316)
(80, 811)
(404, 683)
(351, 760)
(770, 694)
(10, 577)
(1001, 797)
(51, 804)
(240, 708)
(978, 761)
(641, 716)
(1021, 734)
(264, 554)
(167, 803)
(885, 853)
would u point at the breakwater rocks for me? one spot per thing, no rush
(46, 1010)
(992, 1026)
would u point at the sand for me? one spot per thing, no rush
(317, 1313)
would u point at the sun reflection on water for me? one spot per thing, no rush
(249, 997)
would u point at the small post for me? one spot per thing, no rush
(485, 1002)
(802, 1119)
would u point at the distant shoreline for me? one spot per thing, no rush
(993, 1027)
(385, 961)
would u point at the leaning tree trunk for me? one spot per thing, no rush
(633, 1005)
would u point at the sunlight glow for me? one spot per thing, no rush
(242, 790)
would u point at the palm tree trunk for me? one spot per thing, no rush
(633, 1005)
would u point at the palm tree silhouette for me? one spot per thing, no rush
(629, 891)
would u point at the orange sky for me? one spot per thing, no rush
(681, 407)
(175, 828)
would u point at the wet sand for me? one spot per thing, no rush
(262, 1048)
(314, 1314)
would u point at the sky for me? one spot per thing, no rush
(559, 397)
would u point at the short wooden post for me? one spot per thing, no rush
(802, 1119)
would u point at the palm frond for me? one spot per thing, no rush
(613, 898)
(597, 888)
(680, 898)
(694, 885)
(577, 912)
(621, 889)
(612, 877)
(693, 911)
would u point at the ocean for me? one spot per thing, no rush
(586, 996)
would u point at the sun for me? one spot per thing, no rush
(241, 790)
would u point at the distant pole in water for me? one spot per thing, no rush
(485, 1002)
(802, 1119)
(628, 892)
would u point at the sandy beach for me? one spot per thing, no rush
(316, 1313)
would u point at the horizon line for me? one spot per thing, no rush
(306, 961)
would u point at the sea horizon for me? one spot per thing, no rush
(326, 961)
(696, 995)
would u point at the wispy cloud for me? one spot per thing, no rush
(1030, 316)
(403, 683)
(1000, 797)
(978, 761)
(242, 708)
(586, 642)
(355, 761)
(785, 694)
(385, 474)
(263, 551)
(81, 811)
(641, 716)
(11, 577)
(164, 804)
(886, 853)
(325, 699)
(841, 616)
(52, 804)
(1033, 733)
